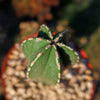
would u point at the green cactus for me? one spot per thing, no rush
(44, 56)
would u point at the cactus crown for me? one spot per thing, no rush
(45, 54)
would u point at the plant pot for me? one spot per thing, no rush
(76, 82)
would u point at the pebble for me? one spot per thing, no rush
(89, 85)
(29, 92)
(88, 72)
(15, 52)
(70, 90)
(68, 76)
(10, 71)
(19, 67)
(75, 66)
(15, 80)
(89, 78)
(22, 56)
(82, 86)
(21, 91)
(12, 63)
(22, 74)
(19, 85)
(17, 73)
(13, 57)
(74, 97)
(15, 98)
(87, 96)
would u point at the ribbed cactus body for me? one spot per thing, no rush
(44, 55)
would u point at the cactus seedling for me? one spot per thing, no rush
(44, 57)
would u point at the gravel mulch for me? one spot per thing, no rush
(76, 82)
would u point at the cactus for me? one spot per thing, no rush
(45, 56)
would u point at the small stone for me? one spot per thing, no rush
(89, 85)
(15, 52)
(74, 97)
(12, 63)
(8, 88)
(9, 96)
(10, 71)
(12, 92)
(88, 72)
(81, 94)
(17, 73)
(79, 77)
(52, 95)
(22, 74)
(20, 85)
(75, 85)
(59, 91)
(68, 76)
(29, 92)
(22, 56)
(15, 80)
(81, 71)
(68, 96)
(60, 97)
(17, 46)
(40, 85)
(32, 84)
(77, 90)
(13, 57)
(20, 91)
(75, 66)
(20, 98)
(20, 67)
(88, 78)
(83, 86)
(19, 62)
(15, 98)
(87, 96)
(24, 95)
(8, 82)
(65, 72)
(82, 66)
(70, 90)
(72, 81)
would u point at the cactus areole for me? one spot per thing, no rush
(45, 54)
